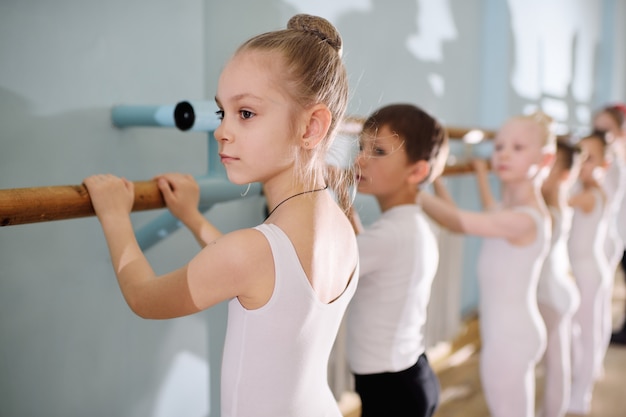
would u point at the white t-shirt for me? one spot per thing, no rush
(398, 258)
(276, 357)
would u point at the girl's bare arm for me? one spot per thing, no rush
(182, 196)
(512, 225)
(484, 188)
(221, 271)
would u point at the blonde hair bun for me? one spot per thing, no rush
(319, 27)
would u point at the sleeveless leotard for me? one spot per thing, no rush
(558, 300)
(615, 188)
(590, 268)
(557, 288)
(512, 331)
(276, 357)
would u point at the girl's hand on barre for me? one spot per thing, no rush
(182, 197)
(480, 165)
(181, 194)
(110, 195)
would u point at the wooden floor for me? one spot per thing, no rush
(461, 393)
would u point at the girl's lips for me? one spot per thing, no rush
(227, 158)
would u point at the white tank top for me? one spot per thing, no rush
(276, 357)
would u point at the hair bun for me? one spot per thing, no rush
(317, 26)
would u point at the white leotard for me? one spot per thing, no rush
(590, 268)
(558, 300)
(276, 357)
(513, 334)
(614, 186)
(557, 288)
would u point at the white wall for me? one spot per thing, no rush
(69, 346)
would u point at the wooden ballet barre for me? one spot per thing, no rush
(42, 204)
(458, 169)
(352, 125)
(62, 202)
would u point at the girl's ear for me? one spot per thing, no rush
(318, 123)
(547, 159)
(543, 169)
(418, 172)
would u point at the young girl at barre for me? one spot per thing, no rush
(516, 240)
(557, 293)
(289, 280)
(610, 119)
(402, 148)
(591, 270)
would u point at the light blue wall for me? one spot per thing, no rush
(69, 346)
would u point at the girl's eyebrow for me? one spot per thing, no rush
(238, 97)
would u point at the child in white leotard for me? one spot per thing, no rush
(557, 293)
(516, 240)
(403, 148)
(289, 280)
(591, 270)
(610, 120)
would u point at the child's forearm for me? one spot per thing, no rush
(484, 188)
(203, 231)
(441, 191)
(443, 212)
(129, 263)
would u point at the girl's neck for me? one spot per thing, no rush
(520, 194)
(284, 186)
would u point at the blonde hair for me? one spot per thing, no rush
(314, 73)
(546, 125)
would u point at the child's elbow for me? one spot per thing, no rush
(454, 227)
(137, 306)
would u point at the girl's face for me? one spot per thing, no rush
(382, 164)
(255, 137)
(517, 153)
(559, 175)
(592, 168)
(604, 122)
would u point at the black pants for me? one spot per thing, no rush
(413, 392)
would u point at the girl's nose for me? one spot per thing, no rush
(220, 133)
